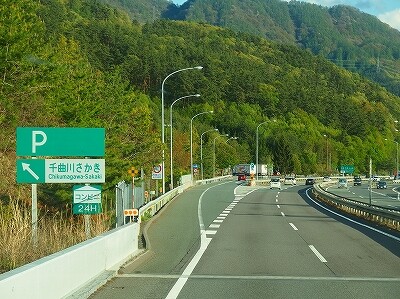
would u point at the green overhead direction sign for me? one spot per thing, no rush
(75, 142)
(347, 169)
(87, 199)
(34, 171)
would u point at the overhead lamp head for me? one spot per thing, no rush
(198, 67)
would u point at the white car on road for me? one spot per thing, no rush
(275, 183)
(289, 180)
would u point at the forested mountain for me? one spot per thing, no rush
(144, 10)
(81, 63)
(343, 34)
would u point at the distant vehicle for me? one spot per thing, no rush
(381, 185)
(241, 169)
(357, 181)
(275, 183)
(262, 169)
(342, 183)
(327, 179)
(289, 180)
(310, 181)
(376, 179)
(241, 177)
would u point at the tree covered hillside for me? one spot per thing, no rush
(348, 37)
(343, 34)
(80, 63)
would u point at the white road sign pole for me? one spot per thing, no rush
(34, 214)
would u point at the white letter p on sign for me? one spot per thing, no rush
(35, 142)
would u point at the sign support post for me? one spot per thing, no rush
(87, 226)
(34, 216)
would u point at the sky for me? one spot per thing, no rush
(388, 11)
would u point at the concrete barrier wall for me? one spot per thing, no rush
(67, 273)
(64, 272)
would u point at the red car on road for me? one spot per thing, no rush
(241, 177)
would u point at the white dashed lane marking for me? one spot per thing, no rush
(214, 226)
(211, 232)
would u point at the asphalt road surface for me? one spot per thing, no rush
(229, 241)
(387, 198)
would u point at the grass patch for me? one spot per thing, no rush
(56, 231)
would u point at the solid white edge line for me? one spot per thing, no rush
(321, 258)
(204, 241)
(176, 289)
(351, 220)
(265, 277)
(178, 286)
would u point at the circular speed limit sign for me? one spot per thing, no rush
(157, 172)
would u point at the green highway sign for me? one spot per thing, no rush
(347, 168)
(37, 141)
(86, 208)
(87, 199)
(34, 171)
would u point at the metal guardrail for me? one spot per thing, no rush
(380, 215)
(152, 207)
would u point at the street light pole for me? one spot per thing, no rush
(171, 142)
(214, 152)
(162, 119)
(201, 151)
(191, 141)
(327, 159)
(397, 157)
(231, 138)
(257, 147)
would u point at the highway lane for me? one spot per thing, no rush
(388, 198)
(173, 239)
(260, 243)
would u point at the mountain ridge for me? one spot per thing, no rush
(343, 34)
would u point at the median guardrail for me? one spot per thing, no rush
(380, 215)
